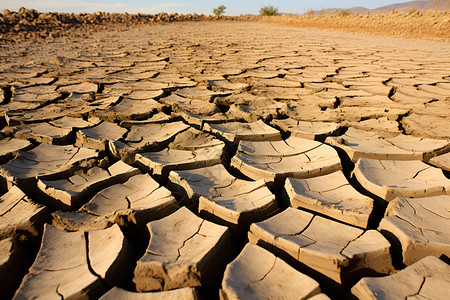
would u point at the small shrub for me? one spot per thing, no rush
(268, 11)
(219, 10)
(310, 12)
(344, 13)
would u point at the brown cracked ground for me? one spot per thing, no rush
(232, 160)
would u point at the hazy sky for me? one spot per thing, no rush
(234, 7)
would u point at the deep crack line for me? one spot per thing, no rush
(268, 272)
(189, 238)
(88, 260)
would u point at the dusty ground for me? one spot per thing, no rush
(355, 131)
(413, 24)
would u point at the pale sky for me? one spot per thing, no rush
(234, 7)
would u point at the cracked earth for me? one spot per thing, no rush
(225, 160)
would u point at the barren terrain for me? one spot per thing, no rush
(430, 24)
(230, 160)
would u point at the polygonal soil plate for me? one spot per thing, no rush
(232, 200)
(71, 193)
(44, 161)
(137, 201)
(330, 195)
(426, 279)
(421, 225)
(308, 130)
(333, 249)
(236, 131)
(258, 274)
(295, 157)
(90, 258)
(390, 178)
(184, 251)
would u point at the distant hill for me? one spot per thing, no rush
(355, 10)
(407, 6)
(401, 7)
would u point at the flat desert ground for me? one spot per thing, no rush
(231, 160)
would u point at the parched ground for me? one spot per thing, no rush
(224, 159)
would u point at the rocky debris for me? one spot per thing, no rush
(183, 293)
(31, 23)
(94, 258)
(12, 265)
(148, 137)
(258, 274)
(223, 196)
(98, 136)
(341, 254)
(419, 225)
(73, 192)
(20, 216)
(308, 130)
(184, 251)
(391, 178)
(426, 279)
(330, 195)
(137, 201)
(10, 147)
(276, 160)
(237, 131)
(44, 162)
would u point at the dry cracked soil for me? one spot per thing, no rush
(224, 160)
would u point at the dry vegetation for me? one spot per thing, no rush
(414, 24)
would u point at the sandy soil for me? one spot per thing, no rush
(413, 24)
